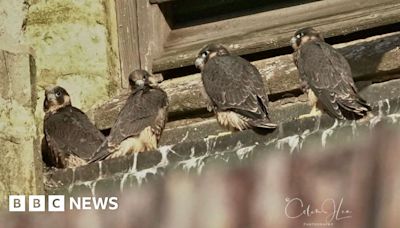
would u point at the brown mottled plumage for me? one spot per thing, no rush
(326, 74)
(70, 138)
(234, 89)
(141, 121)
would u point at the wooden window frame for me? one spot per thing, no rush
(158, 48)
(273, 29)
(373, 56)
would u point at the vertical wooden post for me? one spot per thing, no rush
(153, 30)
(142, 30)
(128, 38)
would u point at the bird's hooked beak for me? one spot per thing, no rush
(139, 83)
(51, 97)
(49, 94)
(293, 40)
(49, 100)
(199, 63)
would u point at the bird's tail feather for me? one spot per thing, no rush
(357, 106)
(256, 120)
(262, 123)
(101, 153)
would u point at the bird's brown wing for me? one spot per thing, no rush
(70, 132)
(328, 74)
(234, 84)
(142, 109)
(139, 112)
(303, 83)
(259, 87)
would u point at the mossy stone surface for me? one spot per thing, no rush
(20, 163)
(72, 50)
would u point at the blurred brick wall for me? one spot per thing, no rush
(347, 186)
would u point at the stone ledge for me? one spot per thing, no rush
(246, 149)
(361, 177)
(193, 153)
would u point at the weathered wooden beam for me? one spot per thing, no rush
(113, 53)
(141, 31)
(153, 30)
(282, 112)
(273, 29)
(376, 55)
(128, 38)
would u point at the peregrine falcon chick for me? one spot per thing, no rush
(141, 121)
(70, 138)
(234, 89)
(326, 77)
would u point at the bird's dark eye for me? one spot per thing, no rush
(58, 94)
(204, 54)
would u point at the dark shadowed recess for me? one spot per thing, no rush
(188, 70)
(186, 13)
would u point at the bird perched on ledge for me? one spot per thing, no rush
(326, 77)
(141, 121)
(70, 138)
(234, 89)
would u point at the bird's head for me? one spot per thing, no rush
(208, 52)
(139, 79)
(55, 98)
(305, 35)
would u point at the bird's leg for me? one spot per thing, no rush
(315, 111)
(209, 104)
(129, 145)
(304, 86)
(367, 118)
(74, 161)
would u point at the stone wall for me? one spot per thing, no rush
(45, 43)
(20, 163)
(74, 44)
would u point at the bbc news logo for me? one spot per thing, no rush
(57, 203)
